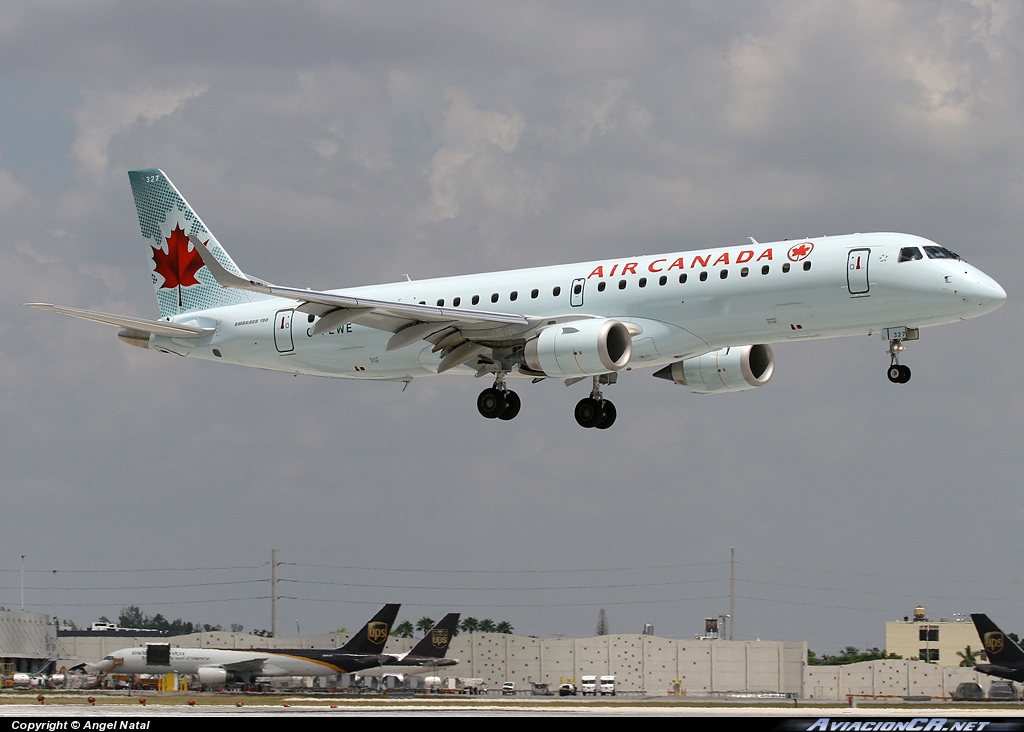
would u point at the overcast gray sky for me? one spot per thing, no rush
(332, 144)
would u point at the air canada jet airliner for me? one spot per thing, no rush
(704, 318)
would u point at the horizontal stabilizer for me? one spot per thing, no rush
(156, 327)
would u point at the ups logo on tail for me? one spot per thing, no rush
(994, 641)
(377, 632)
(439, 637)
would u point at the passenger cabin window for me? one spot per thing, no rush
(785, 266)
(682, 278)
(440, 303)
(513, 296)
(662, 280)
(456, 301)
(642, 282)
(600, 286)
(724, 273)
(765, 269)
(807, 266)
(494, 297)
(704, 276)
(577, 289)
(744, 272)
(909, 254)
(622, 284)
(476, 299)
(534, 294)
(556, 292)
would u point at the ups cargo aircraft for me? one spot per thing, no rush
(213, 666)
(430, 653)
(705, 317)
(1007, 659)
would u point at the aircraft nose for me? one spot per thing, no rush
(985, 291)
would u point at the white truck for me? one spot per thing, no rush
(607, 686)
(588, 685)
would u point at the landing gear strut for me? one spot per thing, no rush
(897, 373)
(498, 402)
(595, 410)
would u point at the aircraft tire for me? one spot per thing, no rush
(491, 403)
(905, 375)
(609, 415)
(895, 373)
(588, 413)
(513, 405)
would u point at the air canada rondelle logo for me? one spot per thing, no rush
(801, 251)
(439, 638)
(994, 642)
(377, 632)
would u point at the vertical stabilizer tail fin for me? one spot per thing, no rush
(373, 636)
(182, 282)
(435, 643)
(1000, 647)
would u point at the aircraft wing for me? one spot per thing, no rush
(466, 332)
(253, 666)
(141, 325)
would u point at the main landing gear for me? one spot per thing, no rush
(498, 402)
(897, 373)
(595, 410)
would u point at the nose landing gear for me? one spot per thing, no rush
(897, 373)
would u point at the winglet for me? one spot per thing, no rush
(222, 275)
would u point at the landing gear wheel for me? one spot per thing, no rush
(898, 374)
(513, 404)
(609, 415)
(589, 413)
(491, 403)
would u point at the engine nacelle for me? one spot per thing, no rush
(736, 368)
(214, 676)
(579, 348)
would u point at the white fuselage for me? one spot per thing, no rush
(676, 305)
(193, 660)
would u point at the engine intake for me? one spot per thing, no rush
(579, 348)
(736, 368)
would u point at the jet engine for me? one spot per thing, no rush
(579, 348)
(736, 368)
(214, 676)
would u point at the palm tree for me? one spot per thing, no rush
(469, 625)
(403, 629)
(487, 625)
(424, 624)
(970, 658)
(504, 627)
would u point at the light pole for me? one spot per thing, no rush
(23, 583)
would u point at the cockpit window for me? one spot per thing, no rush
(937, 252)
(908, 254)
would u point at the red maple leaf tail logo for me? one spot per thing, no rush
(179, 265)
